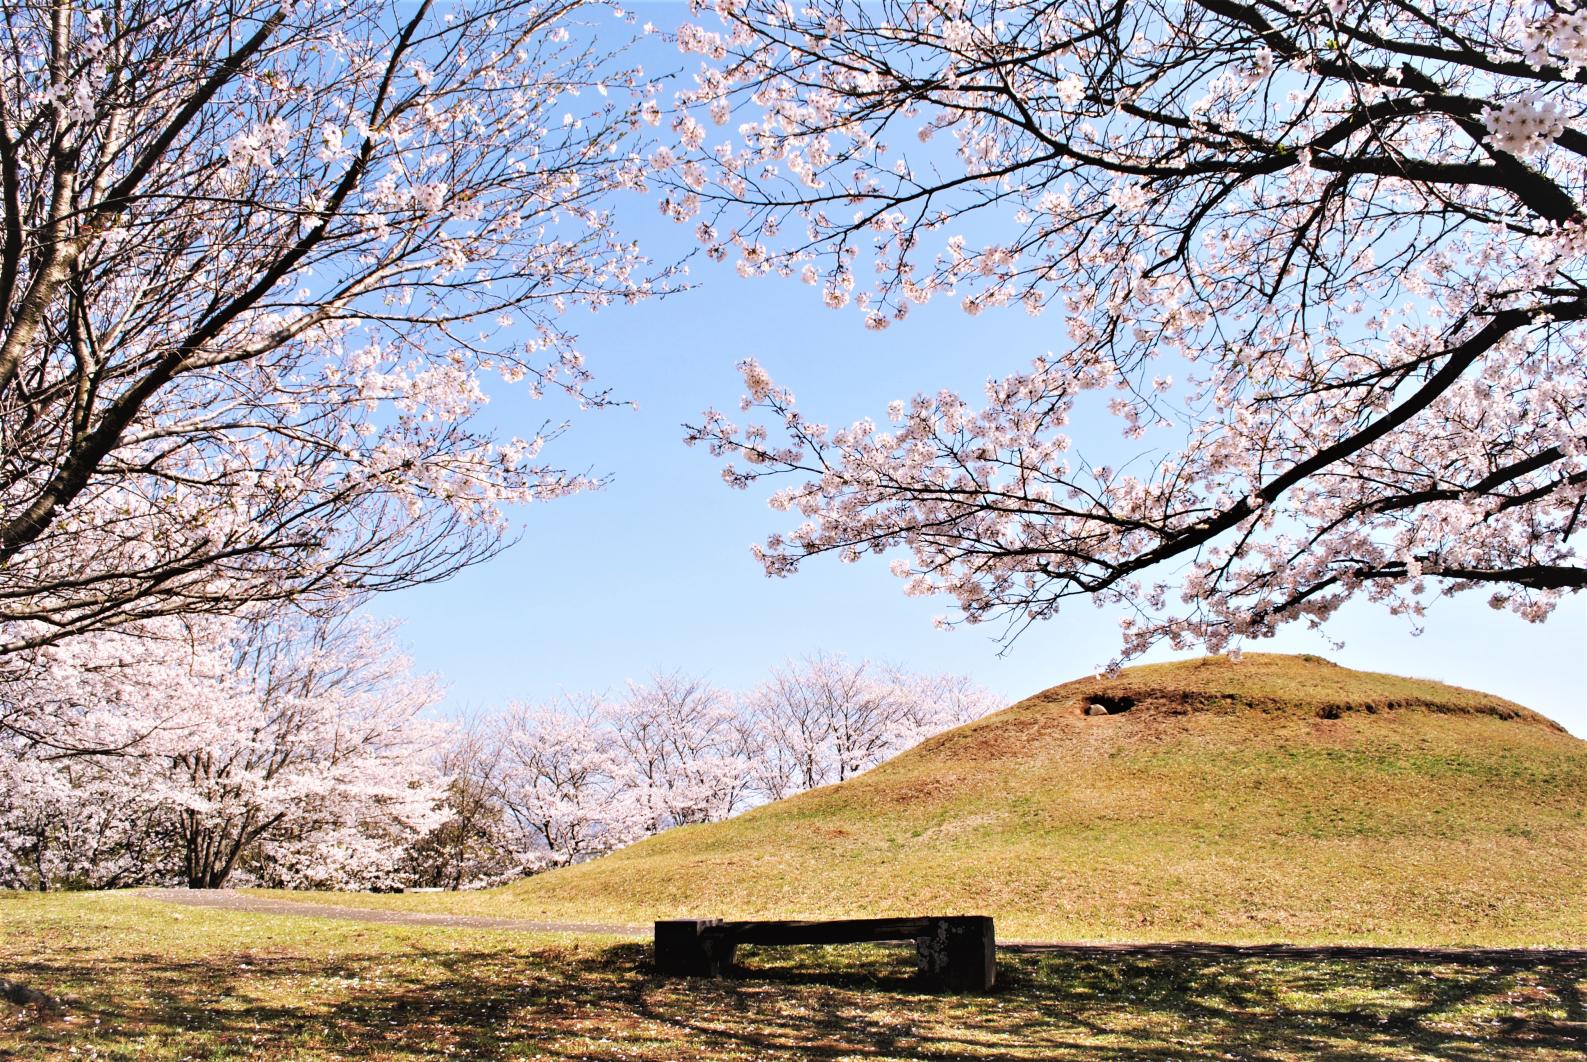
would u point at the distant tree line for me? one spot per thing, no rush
(295, 751)
(547, 785)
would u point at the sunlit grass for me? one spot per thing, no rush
(148, 980)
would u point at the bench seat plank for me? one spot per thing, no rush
(841, 931)
(955, 952)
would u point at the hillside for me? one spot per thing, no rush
(1272, 798)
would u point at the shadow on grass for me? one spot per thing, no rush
(852, 1002)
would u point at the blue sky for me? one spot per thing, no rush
(655, 571)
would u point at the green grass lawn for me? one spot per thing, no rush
(147, 980)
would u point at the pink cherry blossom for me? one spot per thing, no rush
(1323, 265)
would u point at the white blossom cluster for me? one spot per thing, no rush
(1562, 35)
(1525, 124)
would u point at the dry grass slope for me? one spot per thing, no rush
(1276, 798)
(1273, 798)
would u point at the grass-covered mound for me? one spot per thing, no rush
(1275, 797)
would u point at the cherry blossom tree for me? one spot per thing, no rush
(559, 779)
(323, 772)
(683, 750)
(589, 774)
(580, 777)
(76, 805)
(1322, 261)
(109, 693)
(72, 823)
(824, 719)
(258, 264)
(285, 750)
(473, 846)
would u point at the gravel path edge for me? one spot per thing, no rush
(231, 900)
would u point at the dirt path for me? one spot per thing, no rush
(228, 900)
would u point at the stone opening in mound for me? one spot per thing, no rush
(1104, 704)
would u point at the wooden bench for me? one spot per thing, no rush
(957, 953)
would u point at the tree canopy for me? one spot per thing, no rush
(258, 263)
(1323, 261)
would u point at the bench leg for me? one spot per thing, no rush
(687, 947)
(960, 954)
